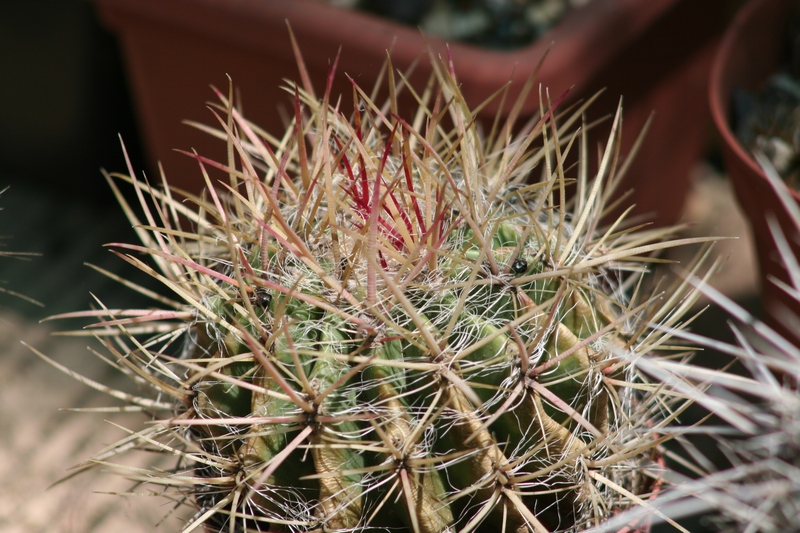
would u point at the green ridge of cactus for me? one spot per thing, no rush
(386, 323)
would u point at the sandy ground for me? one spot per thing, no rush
(39, 442)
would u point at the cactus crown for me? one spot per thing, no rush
(382, 322)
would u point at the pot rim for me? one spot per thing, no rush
(255, 24)
(719, 93)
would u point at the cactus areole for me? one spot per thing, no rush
(386, 323)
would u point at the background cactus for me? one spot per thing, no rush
(6, 254)
(380, 322)
(753, 485)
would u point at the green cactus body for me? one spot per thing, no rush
(395, 332)
(341, 491)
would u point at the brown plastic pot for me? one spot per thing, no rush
(655, 53)
(750, 52)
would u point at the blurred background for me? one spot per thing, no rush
(64, 104)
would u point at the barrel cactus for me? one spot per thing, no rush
(384, 323)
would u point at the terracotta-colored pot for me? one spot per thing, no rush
(750, 52)
(655, 53)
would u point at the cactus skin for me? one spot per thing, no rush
(385, 327)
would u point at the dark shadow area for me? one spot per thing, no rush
(64, 103)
